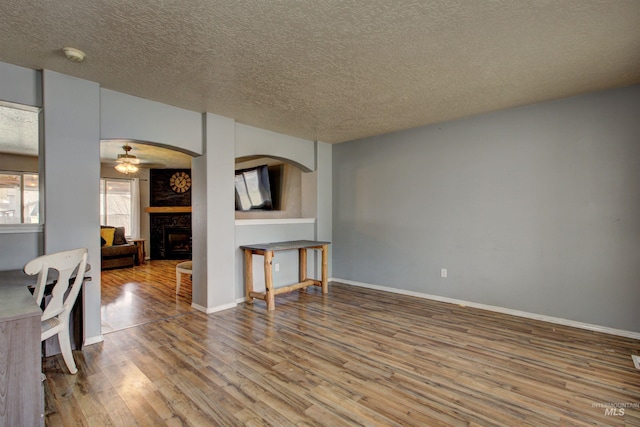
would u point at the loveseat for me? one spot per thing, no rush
(116, 252)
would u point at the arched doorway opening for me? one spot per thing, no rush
(138, 284)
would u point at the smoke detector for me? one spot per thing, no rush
(73, 54)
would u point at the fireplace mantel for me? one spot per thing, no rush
(168, 209)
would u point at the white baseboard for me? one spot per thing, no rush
(215, 309)
(93, 340)
(556, 320)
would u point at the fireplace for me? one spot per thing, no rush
(169, 216)
(170, 236)
(177, 243)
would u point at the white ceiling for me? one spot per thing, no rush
(333, 70)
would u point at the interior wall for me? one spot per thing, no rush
(72, 130)
(20, 85)
(287, 260)
(199, 226)
(324, 200)
(252, 141)
(212, 217)
(533, 209)
(125, 116)
(122, 116)
(18, 248)
(314, 160)
(299, 157)
(308, 193)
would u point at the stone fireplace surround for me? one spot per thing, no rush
(170, 232)
(168, 229)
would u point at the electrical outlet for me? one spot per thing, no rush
(443, 272)
(636, 360)
(277, 267)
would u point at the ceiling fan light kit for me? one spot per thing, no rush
(127, 163)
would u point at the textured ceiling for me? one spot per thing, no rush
(333, 70)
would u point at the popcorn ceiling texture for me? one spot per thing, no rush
(333, 70)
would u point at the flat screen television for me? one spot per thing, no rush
(253, 191)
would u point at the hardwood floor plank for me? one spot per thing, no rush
(61, 407)
(142, 294)
(352, 357)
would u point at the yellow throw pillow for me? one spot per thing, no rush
(107, 235)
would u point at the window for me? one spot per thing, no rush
(115, 203)
(19, 165)
(19, 198)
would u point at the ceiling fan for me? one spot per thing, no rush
(127, 163)
(147, 156)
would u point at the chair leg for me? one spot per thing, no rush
(178, 278)
(65, 347)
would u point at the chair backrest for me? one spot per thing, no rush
(65, 263)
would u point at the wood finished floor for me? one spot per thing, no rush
(353, 357)
(142, 294)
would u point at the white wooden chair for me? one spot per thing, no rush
(55, 317)
(182, 268)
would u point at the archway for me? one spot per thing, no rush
(128, 292)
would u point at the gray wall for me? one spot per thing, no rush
(20, 85)
(534, 209)
(252, 141)
(17, 248)
(72, 131)
(129, 117)
(324, 203)
(212, 217)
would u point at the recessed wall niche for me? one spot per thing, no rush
(293, 191)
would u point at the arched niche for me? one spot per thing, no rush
(293, 188)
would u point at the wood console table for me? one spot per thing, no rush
(267, 250)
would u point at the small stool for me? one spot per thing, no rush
(185, 268)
